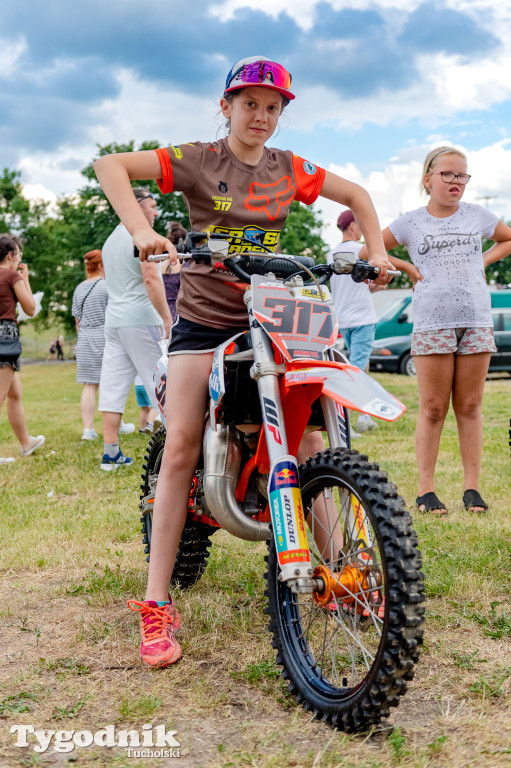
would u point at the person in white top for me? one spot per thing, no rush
(354, 307)
(137, 317)
(452, 337)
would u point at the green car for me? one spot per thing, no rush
(392, 354)
(396, 318)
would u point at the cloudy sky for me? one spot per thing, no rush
(377, 83)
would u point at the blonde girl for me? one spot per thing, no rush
(452, 337)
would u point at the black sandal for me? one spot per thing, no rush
(472, 498)
(431, 502)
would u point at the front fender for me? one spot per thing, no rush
(350, 387)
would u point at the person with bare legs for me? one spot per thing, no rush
(136, 318)
(14, 287)
(210, 304)
(453, 330)
(89, 305)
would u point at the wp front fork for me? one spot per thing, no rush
(284, 494)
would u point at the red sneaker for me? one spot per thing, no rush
(158, 626)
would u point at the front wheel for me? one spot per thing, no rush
(349, 653)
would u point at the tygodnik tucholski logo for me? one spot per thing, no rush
(151, 741)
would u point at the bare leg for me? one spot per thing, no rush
(6, 379)
(328, 533)
(88, 404)
(145, 415)
(111, 425)
(16, 412)
(186, 399)
(311, 444)
(469, 378)
(435, 380)
(142, 416)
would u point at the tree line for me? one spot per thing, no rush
(54, 241)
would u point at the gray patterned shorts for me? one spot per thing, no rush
(460, 341)
(9, 330)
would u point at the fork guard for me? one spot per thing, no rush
(348, 386)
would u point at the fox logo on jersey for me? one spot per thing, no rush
(270, 197)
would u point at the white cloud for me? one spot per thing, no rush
(54, 173)
(304, 11)
(38, 193)
(10, 53)
(141, 112)
(144, 110)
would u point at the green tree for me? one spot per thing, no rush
(403, 281)
(54, 247)
(14, 209)
(301, 235)
(500, 272)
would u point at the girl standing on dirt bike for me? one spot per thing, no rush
(453, 329)
(240, 188)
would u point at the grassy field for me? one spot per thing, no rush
(36, 341)
(71, 556)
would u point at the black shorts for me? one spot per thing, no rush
(187, 337)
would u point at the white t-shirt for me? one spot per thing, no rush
(352, 301)
(128, 302)
(448, 253)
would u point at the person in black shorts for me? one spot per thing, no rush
(231, 186)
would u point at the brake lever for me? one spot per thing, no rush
(362, 270)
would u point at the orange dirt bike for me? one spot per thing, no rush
(344, 584)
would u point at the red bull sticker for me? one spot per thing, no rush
(284, 475)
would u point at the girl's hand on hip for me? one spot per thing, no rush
(414, 275)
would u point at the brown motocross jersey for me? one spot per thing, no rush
(234, 199)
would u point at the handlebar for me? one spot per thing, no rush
(202, 247)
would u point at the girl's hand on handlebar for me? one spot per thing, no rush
(382, 262)
(152, 243)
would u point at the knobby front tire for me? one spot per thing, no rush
(350, 660)
(195, 543)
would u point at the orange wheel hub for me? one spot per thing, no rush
(352, 581)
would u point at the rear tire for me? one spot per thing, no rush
(193, 551)
(350, 660)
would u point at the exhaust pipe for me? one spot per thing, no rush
(222, 458)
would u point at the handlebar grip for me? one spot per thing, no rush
(393, 272)
(153, 256)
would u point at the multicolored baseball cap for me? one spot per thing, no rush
(260, 71)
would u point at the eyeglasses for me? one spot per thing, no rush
(260, 72)
(146, 197)
(449, 176)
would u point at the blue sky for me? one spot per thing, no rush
(378, 83)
